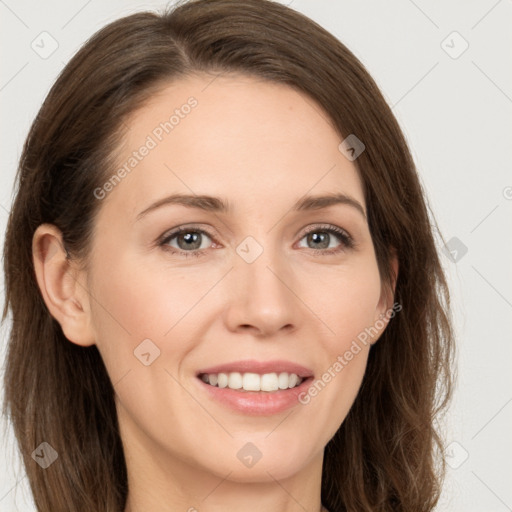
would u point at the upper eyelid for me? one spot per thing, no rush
(324, 226)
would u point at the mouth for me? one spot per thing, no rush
(248, 381)
(253, 387)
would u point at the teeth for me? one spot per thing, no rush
(222, 380)
(253, 381)
(269, 382)
(234, 380)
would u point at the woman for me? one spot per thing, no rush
(300, 359)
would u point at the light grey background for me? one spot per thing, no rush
(455, 110)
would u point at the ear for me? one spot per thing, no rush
(385, 306)
(62, 286)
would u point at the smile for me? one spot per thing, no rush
(268, 382)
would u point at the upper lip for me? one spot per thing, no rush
(260, 367)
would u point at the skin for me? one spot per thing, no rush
(262, 146)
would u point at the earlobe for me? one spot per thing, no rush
(60, 284)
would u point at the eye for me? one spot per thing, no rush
(188, 240)
(321, 238)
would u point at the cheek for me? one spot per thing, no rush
(346, 300)
(347, 307)
(145, 325)
(137, 301)
(134, 304)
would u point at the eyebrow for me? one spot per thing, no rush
(218, 205)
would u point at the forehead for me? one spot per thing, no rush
(232, 136)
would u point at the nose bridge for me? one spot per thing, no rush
(262, 274)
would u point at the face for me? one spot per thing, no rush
(269, 285)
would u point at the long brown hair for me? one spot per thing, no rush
(386, 454)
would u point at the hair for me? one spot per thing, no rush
(386, 454)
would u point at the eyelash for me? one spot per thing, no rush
(346, 240)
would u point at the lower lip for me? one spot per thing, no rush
(258, 403)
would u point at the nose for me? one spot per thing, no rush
(261, 296)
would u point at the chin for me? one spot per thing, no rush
(261, 462)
